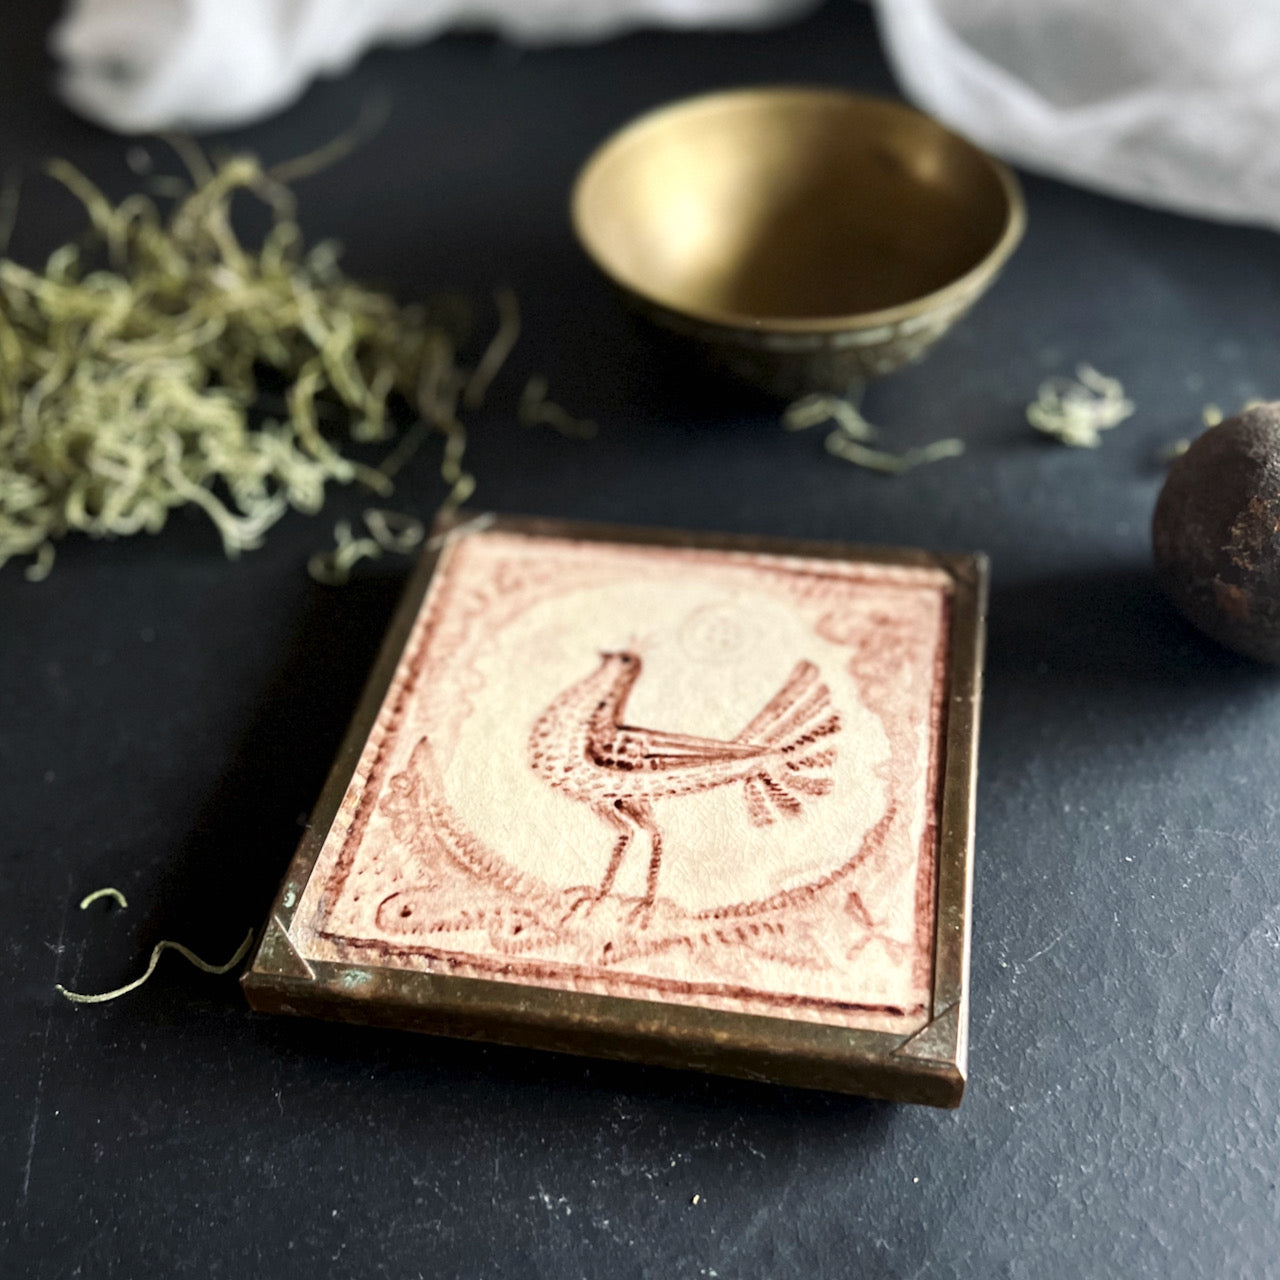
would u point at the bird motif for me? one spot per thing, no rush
(583, 747)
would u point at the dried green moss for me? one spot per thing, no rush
(1075, 411)
(166, 944)
(133, 369)
(851, 437)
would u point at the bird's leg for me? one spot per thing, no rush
(612, 815)
(641, 813)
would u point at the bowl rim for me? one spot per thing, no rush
(961, 287)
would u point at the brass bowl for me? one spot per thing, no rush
(803, 239)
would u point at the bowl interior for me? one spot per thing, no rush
(794, 205)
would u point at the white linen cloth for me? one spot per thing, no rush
(143, 65)
(1171, 102)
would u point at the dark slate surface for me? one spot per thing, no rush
(165, 717)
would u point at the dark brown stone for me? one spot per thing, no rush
(1216, 533)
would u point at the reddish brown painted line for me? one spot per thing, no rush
(441, 589)
(792, 565)
(583, 747)
(546, 973)
(871, 844)
(927, 869)
(411, 668)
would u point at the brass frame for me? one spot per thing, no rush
(927, 1067)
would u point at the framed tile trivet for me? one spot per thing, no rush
(699, 801)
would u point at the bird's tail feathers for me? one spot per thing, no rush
(794, 723)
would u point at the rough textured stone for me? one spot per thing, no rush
(1216, 533)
